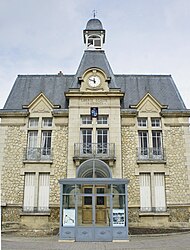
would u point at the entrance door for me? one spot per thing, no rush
(100, 205)
(87, 213)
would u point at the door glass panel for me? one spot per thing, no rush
(86, 210)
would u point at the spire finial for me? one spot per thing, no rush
(94, 13)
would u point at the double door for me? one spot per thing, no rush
(94, 205)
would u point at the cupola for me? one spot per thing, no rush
(94, 34)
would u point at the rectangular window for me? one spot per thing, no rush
(102, 141)
(152, 192)
(29, 192)
(145, 192)
(43, 199)
(86, 141)
(157, 143)
(32, 151)
(46, 143)
(39, 139)
(142, 122)
(36, 192)
(86, 119)
(143, 143)
(33, 122)
(102, 119)
(32, 139)
(155, 122)
(46, 122)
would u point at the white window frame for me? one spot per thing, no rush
(29, 192)
(36, 192)
(47, 122)
(86, 140)
(154, 148)
(102, 119)
(86, 119)
(143, 144)
(40, 148)
(152, 192)
(142, 122)
(102, 140)
(33, 122)
(156, 122)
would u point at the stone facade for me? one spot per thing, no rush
(142, 135)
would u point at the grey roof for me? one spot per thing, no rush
(135, 87)
(161, 87)
(94, 24)
(95, 59)
(27, 87)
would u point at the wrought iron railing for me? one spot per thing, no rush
(38, 154)
(99, 150)
(29, 209)
(151, 154)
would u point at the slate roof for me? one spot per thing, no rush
(161, 87)
(27, 87)
(94, 59)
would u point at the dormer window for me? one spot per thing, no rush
(94, 41)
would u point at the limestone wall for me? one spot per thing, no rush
(12, 181)
(176, 142)
(177, 186)
(59, 166)
(129, 163)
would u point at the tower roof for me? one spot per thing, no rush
(94, 24)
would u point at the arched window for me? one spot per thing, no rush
(94, 41)
(93, 168)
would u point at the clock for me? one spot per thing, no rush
(94, 81)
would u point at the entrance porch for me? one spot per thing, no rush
(93, 209)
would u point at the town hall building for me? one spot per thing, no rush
(95, 152)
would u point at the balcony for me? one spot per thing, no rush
(104, 151)
(151, 154)
(38, 154)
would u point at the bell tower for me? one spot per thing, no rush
(94, 35)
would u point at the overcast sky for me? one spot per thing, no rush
(142, 37)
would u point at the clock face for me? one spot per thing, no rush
(94, 81)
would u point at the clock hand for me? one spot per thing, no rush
(93, 80)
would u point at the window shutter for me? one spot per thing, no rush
(160, 200)
(43, 201)
(145, 192)
(29, 192)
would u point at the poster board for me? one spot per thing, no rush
(118, 217)
(69, 217)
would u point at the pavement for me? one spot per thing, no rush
(174, 241)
